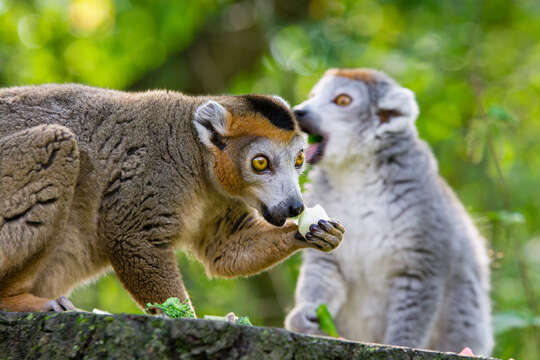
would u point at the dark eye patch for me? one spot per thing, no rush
(277, 115)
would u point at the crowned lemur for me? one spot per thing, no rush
(413, 270)
(92, 178)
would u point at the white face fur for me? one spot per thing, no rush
(345, 112)
(273, 190)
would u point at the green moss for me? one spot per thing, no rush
(51, 315)
(173, 308)
(30, 316)
(244, 320)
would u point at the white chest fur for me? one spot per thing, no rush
(357, 198)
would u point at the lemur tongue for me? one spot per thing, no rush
(311, 151)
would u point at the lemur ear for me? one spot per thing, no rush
(397, 106)
(210, 120)
(282, 100)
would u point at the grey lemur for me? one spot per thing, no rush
(413, 270)
(91, 178)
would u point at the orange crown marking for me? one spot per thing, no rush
(257, 125)
(365, 75)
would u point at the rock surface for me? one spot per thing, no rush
(91, 336)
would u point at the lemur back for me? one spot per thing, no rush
(413, 269)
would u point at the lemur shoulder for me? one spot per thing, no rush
(413, 270)
(92, 178)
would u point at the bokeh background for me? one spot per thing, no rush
(473, 64)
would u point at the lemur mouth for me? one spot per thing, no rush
(273, 219)
(317, 139)
(315, 149)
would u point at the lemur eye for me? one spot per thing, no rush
(342, 100)
(259, 163)
(299, 159)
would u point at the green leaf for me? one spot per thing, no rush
(506, 217)
(244, 320)
(499, 113)
(314, 139)
(326, 323)
(509, 320)
(303, 179)
(476, 140)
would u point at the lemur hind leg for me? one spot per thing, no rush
(465, 321)
(39, 167)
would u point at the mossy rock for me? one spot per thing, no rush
(90, 336)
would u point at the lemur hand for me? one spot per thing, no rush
(303, 319)
(326, 235)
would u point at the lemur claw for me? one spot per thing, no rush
(326, 235)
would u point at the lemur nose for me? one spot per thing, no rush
(300, 113)
(296, 209)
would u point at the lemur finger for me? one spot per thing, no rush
(65, 303)
(316, 230)
(52, 306)
(312, 317)
(315, 242)
(320, 242)
(333, 237)
(333, 241)
(329, 228)
(337, 224)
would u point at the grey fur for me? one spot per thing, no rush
(413, 269)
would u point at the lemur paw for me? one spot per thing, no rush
(60, 304)
(326, 235)
(303, 319)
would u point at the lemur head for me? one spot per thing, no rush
(352, 111)
(257, 152)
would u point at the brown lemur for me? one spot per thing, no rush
(91, 178)
(413, 269)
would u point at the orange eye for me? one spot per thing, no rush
(342, 100)
(299, 159)
(259, 163)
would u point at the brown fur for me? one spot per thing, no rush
(93, 178)
(365, 75)
(227, 173)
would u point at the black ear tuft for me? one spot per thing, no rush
(277, 114)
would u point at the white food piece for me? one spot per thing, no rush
(230, 317)
(101, 312)
(311, 216)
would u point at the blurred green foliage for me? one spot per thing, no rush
(473, 65)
